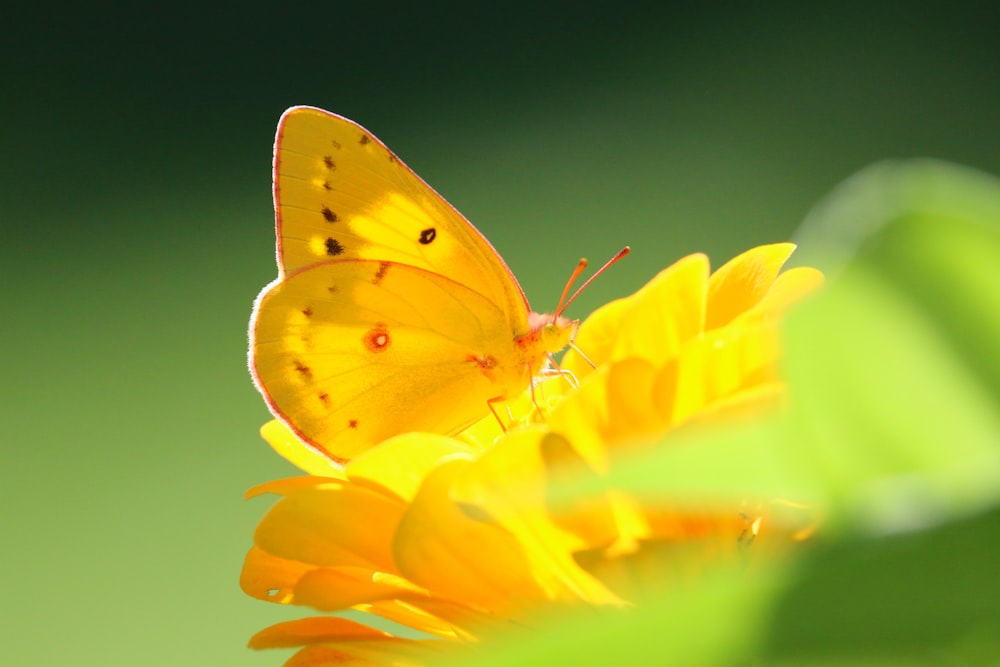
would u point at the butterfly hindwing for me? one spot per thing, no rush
(350, 352)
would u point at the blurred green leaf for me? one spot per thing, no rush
(894, 370)
(924, 598)
(713, 621)
(932, 231)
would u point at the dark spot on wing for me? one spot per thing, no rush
(333, 247)
(329, 215)
(328, 161)
(364, 140)
(428, 235)
(303, 370)
(383, 267)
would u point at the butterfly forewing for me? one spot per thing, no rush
(341, 194)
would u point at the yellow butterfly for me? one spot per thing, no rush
(390, 312)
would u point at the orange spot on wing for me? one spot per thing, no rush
(377, 339)
(486, 363)
(352, 424)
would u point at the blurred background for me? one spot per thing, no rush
(137, 229)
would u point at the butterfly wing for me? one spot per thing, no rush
(340, 193)
(350, 352)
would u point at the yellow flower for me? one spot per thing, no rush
(460, 537)
(687, 346)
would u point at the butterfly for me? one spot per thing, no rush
(390, 312)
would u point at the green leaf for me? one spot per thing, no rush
(713, 621)
(919, 598)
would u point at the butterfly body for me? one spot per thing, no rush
(390, 312)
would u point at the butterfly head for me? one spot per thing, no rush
(553, 332)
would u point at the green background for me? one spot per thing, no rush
(137, 229)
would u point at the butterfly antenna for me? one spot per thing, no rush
(564, 302)
(580, 266)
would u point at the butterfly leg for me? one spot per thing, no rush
(582, 355)
(489, 404)
(555, 370)
(568, 375)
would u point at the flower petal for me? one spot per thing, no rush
(612, 405)
(400, 464)
(330, 640)
(595, 338)
(790, 287)
(338, 588)
(436, 616)
(511, 483)
(441, 548)
(743, 281)
(313, 630)
(665, 313)
(335, 524)
(650, 324)
(299, 454)
(270, 578)
(718, 364)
